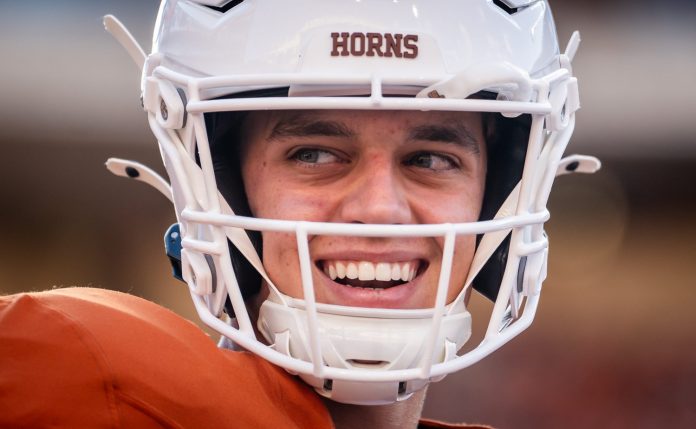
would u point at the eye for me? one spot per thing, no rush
(431, 161)
(313, 156)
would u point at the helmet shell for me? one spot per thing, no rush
(276, 36)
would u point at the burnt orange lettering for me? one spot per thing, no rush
(374, 44)
(357, 44)
(411, 46)
(393, 42)
(340, 44)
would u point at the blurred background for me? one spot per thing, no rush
(614, 342)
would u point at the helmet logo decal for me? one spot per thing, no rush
(374, 44)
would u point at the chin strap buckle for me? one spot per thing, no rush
(172, 245)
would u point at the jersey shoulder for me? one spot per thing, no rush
(129, 362)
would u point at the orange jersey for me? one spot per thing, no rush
(91, 358)
(94, 358)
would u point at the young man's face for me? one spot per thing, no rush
(376, 167)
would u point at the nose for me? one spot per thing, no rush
(376, 195)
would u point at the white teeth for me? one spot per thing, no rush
(395, 272)
(369, 271)
(352, 271)
(405, 272)
(332, 272)
(366, 271)
(383, 272)
(340, 270)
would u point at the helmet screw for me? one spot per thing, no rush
(163, 110)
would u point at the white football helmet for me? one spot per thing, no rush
(212, 59)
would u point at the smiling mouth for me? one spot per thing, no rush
(372, 275)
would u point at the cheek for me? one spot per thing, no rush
(461, 206)
(261, 188)
(457, 201)
(464, 253)
(279, 249)
(275, 192)
(280, 255)
(473, 193)
(280, 259)
(281, 202)
(463, 256)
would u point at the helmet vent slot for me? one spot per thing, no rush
(367, 364)
(225, 7)
(510, 10)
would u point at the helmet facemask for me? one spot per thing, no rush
(302, 332)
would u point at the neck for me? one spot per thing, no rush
(399, 415)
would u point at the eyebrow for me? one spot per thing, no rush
(303, 126)
(456, 133)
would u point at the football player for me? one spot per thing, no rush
(344, 173)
